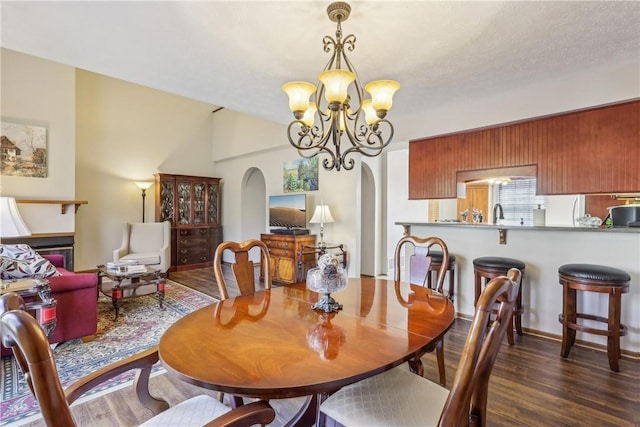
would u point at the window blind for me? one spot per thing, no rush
(518, 199)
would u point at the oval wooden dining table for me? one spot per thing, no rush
(272, 345)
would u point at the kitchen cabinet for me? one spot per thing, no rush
(283, 255)
(594, 151)
(476, 197)
(192, 205)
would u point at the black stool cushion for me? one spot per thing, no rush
(498, 263)
(436, 256)
(594, 272)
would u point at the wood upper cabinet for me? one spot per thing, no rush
(583, 152)
(192, 205)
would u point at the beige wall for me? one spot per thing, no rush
(126, 133)
(43, 93)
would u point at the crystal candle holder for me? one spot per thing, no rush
(327, 278)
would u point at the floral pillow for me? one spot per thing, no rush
(20, 261)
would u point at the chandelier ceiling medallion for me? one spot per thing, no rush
(339, 108)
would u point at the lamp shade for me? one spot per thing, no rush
(369, 113)
(299, 93)
(11, 223)
(309, 114)
(336, 84)
(321, 215)
(382, 93)
(143, 185)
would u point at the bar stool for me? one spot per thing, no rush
(593, 278)
(436, 260)
(490, 267)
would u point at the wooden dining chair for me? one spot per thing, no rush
(23, 334)
(419, 270)
(244, 275)
(243, 268)
(398, 397)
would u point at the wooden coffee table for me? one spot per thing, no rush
(131, 284)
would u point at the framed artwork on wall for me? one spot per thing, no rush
(23, 149)
(300, 175)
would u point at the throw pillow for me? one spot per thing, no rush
(19, 269)
(21, 251)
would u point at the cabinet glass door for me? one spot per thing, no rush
(198, 203)
(167, 208)
(184, 203)
(213, 204)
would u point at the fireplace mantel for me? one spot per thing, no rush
(63, 203)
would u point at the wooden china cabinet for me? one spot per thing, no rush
(192, 205)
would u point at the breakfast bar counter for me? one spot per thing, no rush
(543, 250)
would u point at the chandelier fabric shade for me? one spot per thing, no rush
(336, 110)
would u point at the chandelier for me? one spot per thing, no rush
(338, 108)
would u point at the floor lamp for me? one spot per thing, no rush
(321, 215)
(143, 185)
(11, 223)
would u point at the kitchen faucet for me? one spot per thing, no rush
(497, 207)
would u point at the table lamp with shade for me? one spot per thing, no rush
(11, 223)
(321, 215)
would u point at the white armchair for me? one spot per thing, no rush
(149, 243)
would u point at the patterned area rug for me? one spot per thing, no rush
(140, 325)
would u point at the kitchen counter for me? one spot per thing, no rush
(543, 250)
(522, 227)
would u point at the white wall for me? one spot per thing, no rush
(42, 92)
(398, 203)
(612, 82)
(337, 189)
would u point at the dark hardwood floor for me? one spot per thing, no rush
(531, 385)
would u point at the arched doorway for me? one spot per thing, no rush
(253, 205)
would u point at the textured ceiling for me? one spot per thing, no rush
(237, 54)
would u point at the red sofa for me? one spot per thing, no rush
(77, 306)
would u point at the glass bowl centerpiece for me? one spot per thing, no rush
(328, 277)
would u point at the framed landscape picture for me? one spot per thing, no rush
(300, 175)
(23, 149)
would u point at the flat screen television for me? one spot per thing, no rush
(288, 212)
